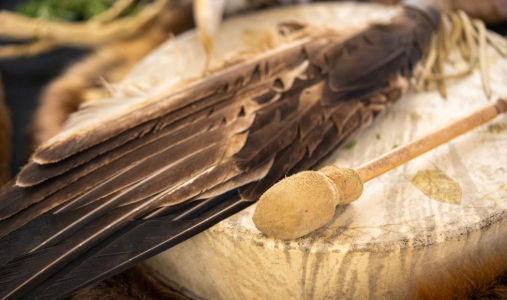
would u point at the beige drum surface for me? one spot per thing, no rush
(418, 221)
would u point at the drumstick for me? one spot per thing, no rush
(297, 205)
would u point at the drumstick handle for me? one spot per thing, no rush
(401, 155)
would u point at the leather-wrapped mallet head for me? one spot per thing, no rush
(305, 201)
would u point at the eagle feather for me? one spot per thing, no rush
(94, 201)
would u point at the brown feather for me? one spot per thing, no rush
(238, 181)
(208, 143)
(295, 100)
(34, 173)
(110, 62)
(5, 139)
(166, 149)
(57, 149)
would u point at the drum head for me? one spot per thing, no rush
(422, 222)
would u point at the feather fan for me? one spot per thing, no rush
(95, 201)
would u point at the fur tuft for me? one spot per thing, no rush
(470, 272)
(135, 283)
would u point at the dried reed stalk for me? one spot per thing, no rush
(44, 36)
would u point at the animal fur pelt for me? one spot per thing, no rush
(137, 283)
(103, 194)
(107, 64)
(5, 139)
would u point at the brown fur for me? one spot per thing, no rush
(112, 62)
(475, 280)
(135, 283)
(138, 284)
(5, 139)
(496, 289)
(470, 275)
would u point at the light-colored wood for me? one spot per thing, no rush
(382, 245)
(82, 34)
(429, 141)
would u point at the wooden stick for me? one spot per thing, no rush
(301, 203)
(437, 137)
(80, 34)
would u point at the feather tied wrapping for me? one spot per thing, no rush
(93, 202)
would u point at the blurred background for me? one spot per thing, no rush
(23, 79)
